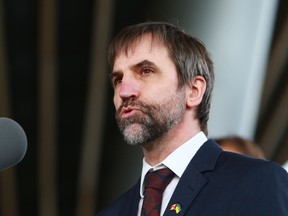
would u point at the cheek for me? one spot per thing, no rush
(116, 102)
(164, 93)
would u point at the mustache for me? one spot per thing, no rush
(132, 102)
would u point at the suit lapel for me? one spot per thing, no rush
(186, 191)
(193, 180)
(130, 207)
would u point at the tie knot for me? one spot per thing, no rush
(159, 179)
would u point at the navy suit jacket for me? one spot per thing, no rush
(218, 183)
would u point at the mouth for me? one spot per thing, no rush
(128, 111)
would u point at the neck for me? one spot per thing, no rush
(156, 151)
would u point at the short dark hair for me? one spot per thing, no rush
(188, 54)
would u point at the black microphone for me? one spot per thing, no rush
(13, 143)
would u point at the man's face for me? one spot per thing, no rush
(146, 96)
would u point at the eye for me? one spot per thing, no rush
(146, 71)
(116, 81)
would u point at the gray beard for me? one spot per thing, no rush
(153, 121)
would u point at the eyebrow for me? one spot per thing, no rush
(144, 63)
(140, 64)
(114, 74)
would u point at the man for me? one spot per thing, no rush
(163, 80)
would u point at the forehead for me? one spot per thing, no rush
(128, 44)
(144, 47)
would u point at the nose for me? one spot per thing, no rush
(129, 88)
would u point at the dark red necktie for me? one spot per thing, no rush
(155, 183)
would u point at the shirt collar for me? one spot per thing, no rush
(178, 160)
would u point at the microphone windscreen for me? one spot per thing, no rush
(13, 143)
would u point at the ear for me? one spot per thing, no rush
(195, 91)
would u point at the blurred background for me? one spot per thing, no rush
(54, 83)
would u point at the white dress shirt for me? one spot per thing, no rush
(177, 161)
(285, 165)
